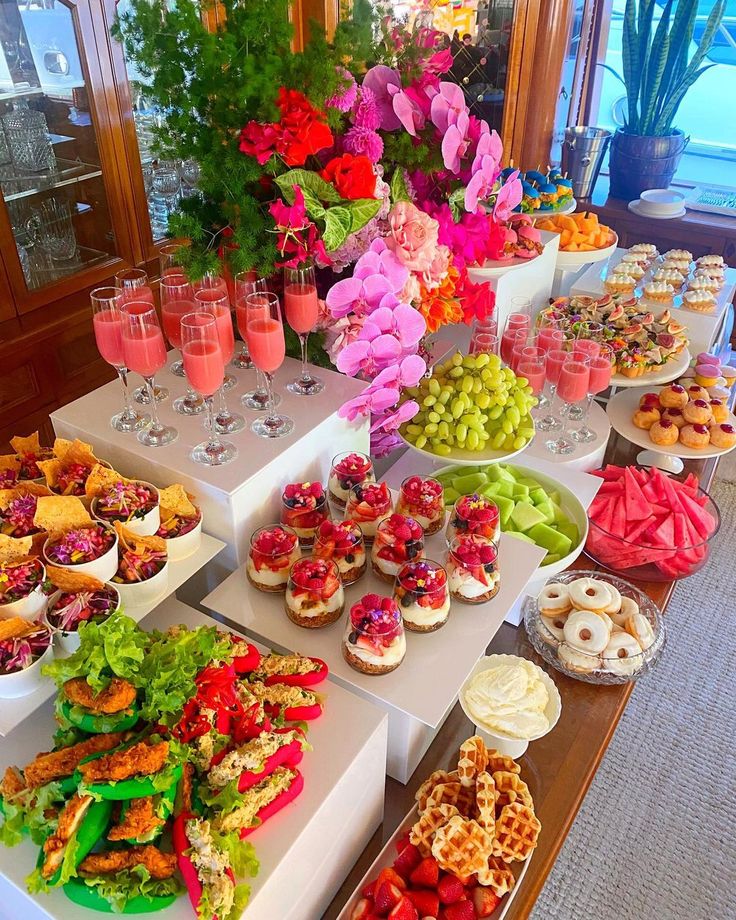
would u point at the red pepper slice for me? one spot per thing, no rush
(296, 713)
(281, 801)
(301, 680)
(186, 866)
(288, 756)
(247, 662)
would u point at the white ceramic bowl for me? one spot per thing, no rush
(21, 683)
(69, 642)
(140, 593)
(145, 526)
(661, 202)
(512, 747)
(103, 568)
(179, 548)
(29, 607)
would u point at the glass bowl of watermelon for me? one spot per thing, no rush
(650, 525)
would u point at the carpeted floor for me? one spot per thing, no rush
(655, 835)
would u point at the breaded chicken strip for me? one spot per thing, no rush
(12, 783)
(139, 820)
(160, 865)
(139, 760)
(118, 696)
(56, 764)
(69, 820)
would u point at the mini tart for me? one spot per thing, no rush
(697, 411)
(620, 283)
(705, 283)
(348, 470)
(699, 301)
(675, 416)
(678, 265)
(647, 249)
(659, 291)
(674, 396)
(645, 418)
(669, 276)
(714, 277)
(695, 436)
(342, 542)
(711, 260)
(635, 269)
(632, 257)
(682, 255)
(719, 410)
(664, 432)
(423, 499)
(398, 540)
(723, 435)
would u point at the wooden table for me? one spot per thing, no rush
(560, 767)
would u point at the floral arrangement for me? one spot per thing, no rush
(16, 520)
(124, 501)
(72, 608)
(17, 654)
(382, 177)
(82, 544)
(19, 579)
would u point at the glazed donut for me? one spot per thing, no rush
(615, 604)
(554, 599)
(578, 661)
(719, 410)
(640, 628)
(695, 391)
(622, 655)
(606, 619)
(589, 594)
(722, 435)
(555, 627)
(628, 608)
(586, 631)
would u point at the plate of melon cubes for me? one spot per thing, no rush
(532, 507)
(582, 238)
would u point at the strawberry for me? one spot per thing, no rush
(426, 902)
(485, 901)
(426, 874)
(450, 889)
(404, 910)
(407, 860)
(402, 842)
(362, 910)
(369, 891)
(388, 896)
(463, 910)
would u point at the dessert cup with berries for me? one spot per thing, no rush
(342, 541)
(423, 499)
(423, 595)
(273, 551)
(474, 514)
(303, 508)
(314, 593)
(368, 505)
(348, 470)
(398, 540)
(472, 569)
(374, 640)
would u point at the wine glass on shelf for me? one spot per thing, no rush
(302, 307)
(212, 300)
(213, 289)
(572, 387)
(133, 285)
(265, 335)
(600, 371)
(245, 283)
(177, 299)
(144, 352)
(483, 343)
(107, 324)
(204, 365)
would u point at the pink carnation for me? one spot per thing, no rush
(345, 97)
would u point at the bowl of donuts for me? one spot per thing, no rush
(595, 627)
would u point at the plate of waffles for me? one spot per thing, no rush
(470, 836)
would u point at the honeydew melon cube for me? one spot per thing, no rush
(524, 517)
(522, 536)
(529, 482)
(469, 483)
(554, 495)
(451, 496)
(550, 539)
(489, 490)
(560, 516)
(537, 495)
(497, 471)
(519, 491)
(546, 509)
(505, 507)
(506, 489)
(570, 530)
(550, 558)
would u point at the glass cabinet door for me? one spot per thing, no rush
(51, 172)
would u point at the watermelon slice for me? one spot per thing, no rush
(637, 506)
(701, 519)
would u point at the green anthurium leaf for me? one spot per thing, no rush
(361, 211)
(337, 226)
(399, 191)
(307, 181)
(457, 204)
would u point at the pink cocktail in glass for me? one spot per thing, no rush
(599, 378)
(212, 301)
(572, 386)
(301, 303)
(533, 368)
(107, 327)
(265, 336)
(550, 338)
(203, 366)
(266, 344)
(555, 359)
(586, 347)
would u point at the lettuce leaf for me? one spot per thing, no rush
(37, 884)
(241, 854)
(26, 813)
(118, 889)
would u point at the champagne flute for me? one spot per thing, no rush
(265, 335)
(213, 289)
(177, 299)
(204, 366)
(591, 348)
(572, 387)
(556, 357)
(302, 307)
(601, 369)
(533, 368)
(245, 283)
(144, 352)
(212, 300)
(107, 324)
(133, 285)
(484, 343)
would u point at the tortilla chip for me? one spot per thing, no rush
(175, 499)
(16, 628)
(135, 542)
(59, 513)
(29, 445)
(10, 462)
(50, 470)
(23, 488)
(13, 549)
(100, 479)
(72, 581)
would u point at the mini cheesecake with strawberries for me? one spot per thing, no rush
(303, 508)
(423, 595)
(273, 551)
(342, 541)
(423, 499)
(314, 593)
(399, 539)
(368, 505)
(472, 569)
(474, 514)
(348, 470)
(374, 640)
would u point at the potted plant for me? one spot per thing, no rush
(658, 72)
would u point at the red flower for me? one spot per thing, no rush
(304, 129)
(477, 300)
(259, 141)
(353, 177)
(298, 237)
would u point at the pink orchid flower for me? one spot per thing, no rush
(380, 260)
(357, 295)
(367, 357)
(406, 373)
(447, 106)
(481, 185)
(378, 80)
(392, 421)
(455, 143)
(508, 198)
(383, 444)
(407, 111)
(373, 399)
(403, 322)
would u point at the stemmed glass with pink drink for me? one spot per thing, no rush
(572, 387)
(204, 365)
(591, 349)
(212, 300)
(532, 365)
(177, 299)
(549, 338)
(107, 324)
(555, 358)
(249, 283)
(517, 327)
(601, 369)
(133, 285)
(302, 306)
(213, 289)
(265, 335)
(144, 352)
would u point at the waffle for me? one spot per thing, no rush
(517, 831)
(485, 802)
(423, 832)
(452, 793)
(473, 760)
(497, 876)
(511, 788)
(462, 847)
(497, 761)
(425, 790)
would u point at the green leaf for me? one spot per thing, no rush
(308, 180)
(656, 62)
(399, 190)
(119, 888)
(630, 60)
(337, 226)
(313, 205)
(457, 204)
(361, 211)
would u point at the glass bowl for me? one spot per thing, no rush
(548, 645)
(645, 559)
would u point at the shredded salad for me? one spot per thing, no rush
(19, 654)
(18, 579)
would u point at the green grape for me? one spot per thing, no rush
(506, 426)
(497, 440)
(495, 412)
(444, 395)
(429, 400)
(519, 442)
(456, 360)
(513, 415)
(447, 417)
(522, 382)
(461, 431)
(421, 441)
(467, 385)
(443, 430)
(434, 417)
(430, 429)
(458, 408)
(434, 387)
(486, 374)
(481, 360)
(508, 442)
(443, 449)
(456, 372)
(413, 429)
(483, 400)
(472, 440)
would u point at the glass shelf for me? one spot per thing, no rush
(17, 185)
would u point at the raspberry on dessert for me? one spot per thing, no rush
(399, 539)
(472, 563)
(271, 547)
(368, 504)
(422, 593)
(304, 507)
(474, 514)
(317, 578)
(348, 470)
(374, 640)
(423, 499)
(314, 594)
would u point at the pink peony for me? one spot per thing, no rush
(436, 272)
(413, 237)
